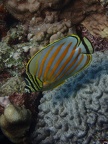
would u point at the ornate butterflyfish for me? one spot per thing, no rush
(56, 62)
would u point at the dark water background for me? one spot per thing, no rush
(3, 139)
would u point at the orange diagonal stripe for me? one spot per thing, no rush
(77, 64)
(66, 62)
(59, 60)
(74, 61)
(51, 61)
(43, 61)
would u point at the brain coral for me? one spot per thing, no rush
(76, 112)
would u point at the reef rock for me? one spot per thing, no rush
(39, 14)
(15, 122)
(28, 8)
(76, 112)
(40, 9)
(99, 44)
(97, 24)
(12, 85)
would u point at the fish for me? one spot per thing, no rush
(56, 62)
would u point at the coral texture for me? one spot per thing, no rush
(52, 10)
(13, 84)
(99, 44)
(96, 25)
(32, 8)
(16, 113)
(76, 112)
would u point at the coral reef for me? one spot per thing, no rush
(10, 57)
(104, 2)
(76, 112)
(38, 12)
(97, 26)
(99, 44)
(13, 84)
(33, 8)
(46, 33)
(24, 10)
(17, 110)
(30, 101)
(15, 122)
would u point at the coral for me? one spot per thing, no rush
(4, 54)
(15, 122)
(51, 11)
(14, 49)
(16, 35)
(30, 101)
(76, 112)
(14, 113)
(97, 24)
(44, 32)
(99, 44)
(30, 8)
(13, 84)
(104, 2)
(4, 101)
(10, 57)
